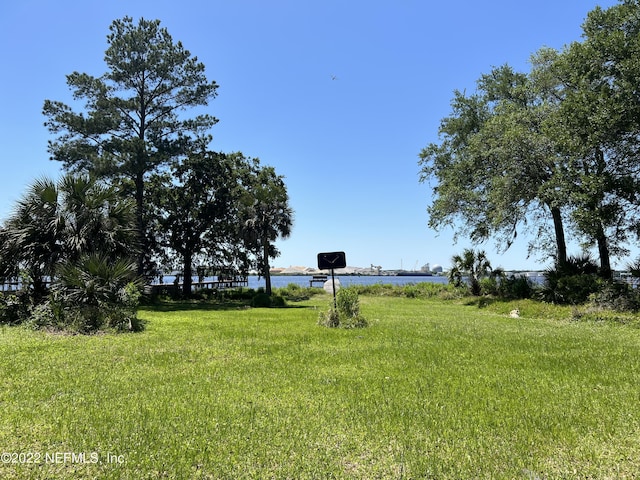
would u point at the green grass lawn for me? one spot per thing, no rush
(431, 389)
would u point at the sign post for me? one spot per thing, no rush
(331, 261)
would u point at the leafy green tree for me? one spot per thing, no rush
(266, 215)
(495, 169)
(133, 121)
(599, 120)
(198, 209)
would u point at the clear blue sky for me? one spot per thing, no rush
(348, 146)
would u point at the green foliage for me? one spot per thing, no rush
(15, 307)
(470, 264)
(571, 283)
(134, 120)
(410, 290)
(265, 215)
(348, 302)
(59, 314)
(296, 293)
(262, 300)
(92, 294)
(346, 312)
(515, 287)
(527, 151)
(571, 290)
(329, 318)
(616, 296)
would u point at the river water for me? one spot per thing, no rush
(278, 281)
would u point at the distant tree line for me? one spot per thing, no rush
(554, 152)
(143, 192)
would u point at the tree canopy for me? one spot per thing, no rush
(552, 150)
(133, 122)
(137, 130)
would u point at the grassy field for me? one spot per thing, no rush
(431, 389)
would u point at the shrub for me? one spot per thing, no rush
(516, 288)
(15, 308)
(296, 293)
(410, 290)
(378, 289)
(570, 290)
(348, 302)
(241, 293)
(488, 286)
(598, 314)
(46, 315)
(97, 292)
(571, 283)
(616, 296)
(262, 300)
(346, 313)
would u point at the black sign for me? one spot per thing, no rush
(331, 260)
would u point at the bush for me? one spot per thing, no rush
(348, 302)
(598, 314)
(15, 308)
(330, 318)
(346, 313)
(410, 290)
(262, 300)
(571, 284)
(515, 288)
(616, 296)
(488, 286)
(241, 293)
(97, 292)
(46, 316)
(570, 290)
(56, 313)
(296, 293)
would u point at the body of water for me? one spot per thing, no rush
(278, 281)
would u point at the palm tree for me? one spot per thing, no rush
(33, 234)
(95, 286)
(58, 222)
(267, 216)
(96, 219)
(471, 264)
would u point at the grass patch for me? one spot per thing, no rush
(431, 389)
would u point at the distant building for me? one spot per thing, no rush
(436, 269)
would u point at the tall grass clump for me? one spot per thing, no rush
(410, 290)
(296, 293)
(346, 311)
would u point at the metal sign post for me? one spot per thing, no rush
(331, 261)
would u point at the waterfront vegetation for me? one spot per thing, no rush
(438, 385)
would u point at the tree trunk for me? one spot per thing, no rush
(561, 245)
(266, 273)
(187, 273)
(603, 251)
(139, 183)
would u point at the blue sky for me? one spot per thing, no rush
(339, 96)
